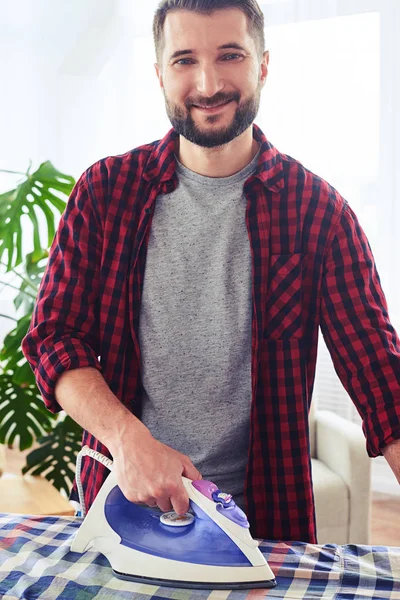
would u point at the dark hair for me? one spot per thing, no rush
(255, 18)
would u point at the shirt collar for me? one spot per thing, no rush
(161, 165)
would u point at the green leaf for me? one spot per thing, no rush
(23, 375)
(56, 456)
(14, 361)
(34, 268)
(12, 341)
(22, 413)
(38, 193)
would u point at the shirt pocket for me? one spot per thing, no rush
(284, 301)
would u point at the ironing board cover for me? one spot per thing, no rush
(36, 563)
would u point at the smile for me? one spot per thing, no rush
(214, 108)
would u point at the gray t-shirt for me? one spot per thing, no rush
(195, 325)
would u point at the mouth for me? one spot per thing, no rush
(212, 109)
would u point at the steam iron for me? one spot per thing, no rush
(210, 547)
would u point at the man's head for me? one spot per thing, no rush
(195, 71)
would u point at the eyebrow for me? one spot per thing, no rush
(231, 45)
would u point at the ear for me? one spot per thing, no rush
(159, 75)
(264, 67)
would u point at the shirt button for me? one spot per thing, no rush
(148, 211)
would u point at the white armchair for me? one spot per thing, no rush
(341, 471)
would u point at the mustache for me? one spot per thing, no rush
(210, 102)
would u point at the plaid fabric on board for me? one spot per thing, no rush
(36, 563)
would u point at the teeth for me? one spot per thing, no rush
(199, 106)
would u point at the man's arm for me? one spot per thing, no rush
(365, 348)
(87, 399)
(63, 333)
(146, 470)
(62, 347)
(392, 455)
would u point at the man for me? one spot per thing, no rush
(178, 318)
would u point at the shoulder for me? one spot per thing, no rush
(110, 181)
(117, 168)
(115, 179)
(312, 190)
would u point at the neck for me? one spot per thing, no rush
(222, 161)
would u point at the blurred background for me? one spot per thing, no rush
(78, 84)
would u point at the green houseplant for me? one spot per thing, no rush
(24, 419)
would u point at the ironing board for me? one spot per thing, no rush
(36, 563)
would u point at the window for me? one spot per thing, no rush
(321, 105)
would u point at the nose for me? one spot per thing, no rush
(209, 81)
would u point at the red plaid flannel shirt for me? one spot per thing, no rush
(312, 266)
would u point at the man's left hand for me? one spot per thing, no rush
(392, 454)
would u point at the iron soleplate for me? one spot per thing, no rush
(195, 585)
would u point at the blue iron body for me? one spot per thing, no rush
(202, 542)
(210, 548)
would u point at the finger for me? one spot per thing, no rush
(152, 502)
(180, 501)
(165, 504)
(191, 472)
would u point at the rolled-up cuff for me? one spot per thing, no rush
(375, 444)
(67, 354)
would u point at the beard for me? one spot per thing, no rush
(212, 136)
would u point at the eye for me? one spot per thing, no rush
(179, 62)
(228, 55)
(184, 61)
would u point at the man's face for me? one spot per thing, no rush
(207, 75)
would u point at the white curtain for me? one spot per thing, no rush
(342, 121)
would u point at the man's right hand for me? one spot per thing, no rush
(147, 470)
(150, 472)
